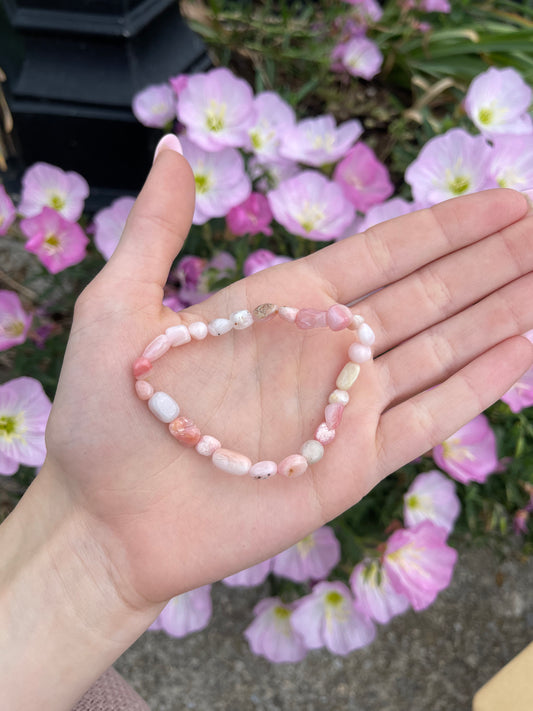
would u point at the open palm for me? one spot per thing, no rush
(449, 288)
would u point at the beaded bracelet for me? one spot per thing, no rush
(186, 432)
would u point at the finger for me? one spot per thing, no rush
(426, 420)
(389, 251)
(434, 355)
(449, 285)
(158, 222)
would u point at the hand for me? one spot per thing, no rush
(452, 290)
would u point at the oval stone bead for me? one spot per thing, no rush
(323, 434)
(263, 470)
(231, 462)
(157, 348)
(333, 415)
(264, 312)
(164, 407)
(141, 367)
(365, 335)
(340, 396)
(198, 330)
(312, 450)
(178, 335)
(356, 322)
(207, 445)
(241, 319)
(292, 466)
(288, 313)
(185, 431)
(310, 318)
(348, 374)
(338, 317)
(143, 389)
(358, 353)
(219, 326)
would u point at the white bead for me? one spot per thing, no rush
(178, 335)
(163, 407)
(358, 353)
(219, 326)
(288, 313)
(358, 320)
(198, 330)
(207, 445)
(231, 462)
(365, 335)
(241, 319)
(339, 396)
(348, 375)
(312, 451)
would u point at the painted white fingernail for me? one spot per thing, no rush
(528, 335)
(169, 142)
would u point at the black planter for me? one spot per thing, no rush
(73, 67)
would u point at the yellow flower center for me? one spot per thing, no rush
(11, 427)
(486, 116)
(334, 598)
(14, 328)
(413, 501)
(459, 184)
(306, 545)
(52, 244)
(282, 613)
(215, 116)
(57, 202)
(203, 183)
(310, 216)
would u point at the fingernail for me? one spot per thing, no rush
(528, 335)
(169, 142)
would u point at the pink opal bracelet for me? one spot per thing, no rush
(187, 433)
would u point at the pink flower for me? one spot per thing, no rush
(262, 259)
(271, 634)
(363, 178)
(360, 57)
(155, 106)
(311, 206)
(453, 164)
(178, 83)
(395, 207)
(521, 394)
(374, 593)
(221, 180)
(57, 242)
(250, 577)
(419, 563)
(189, 270)
(318, 141)
(511, 163)
(14, 321)
(497, 101)
(7, 211)
(185, 613)
(268, 174)
(329, 618)
(109, 224)
(469, 454)
(431, 497)
(252, 217)
(435, 6)
(24, 410)
(217, 109)
(44, 185)
(368, 9)
(312, 558)
(172, 301)
(273, 118)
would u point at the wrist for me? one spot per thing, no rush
(63, 615)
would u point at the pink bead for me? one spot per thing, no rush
(338, 317)
(292, 466)
(263, 470)
(323, 434)
(158, 347)
(333, 415)
(310, 318)
(207, 445)
(288, 313)
(141, 367)
(178, 335)
(358, 353)
(143, 389)
(185, 431)
(231, 462)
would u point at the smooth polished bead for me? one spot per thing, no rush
(207, 445)
(164, 407)
(178, 335)
(365, 335)
(198, 330)
(143, 389)
(241, 319)
(358, 353)
(156, 348)
(310, 318)
(185, 431)
(292, 466)
(263, 470)
(288, 313)
(357, 321)
(338, 317)
(219, 326)
(231, 462)
(333, 415)
(348, 374)
(141, 366)
(312, 450)
(340, 396)
(323, 434)
(264, 312)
